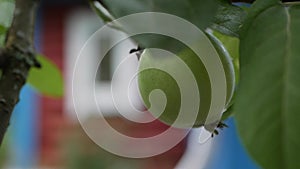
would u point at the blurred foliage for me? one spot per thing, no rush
(4, 151)
(47, 80)
(6, 14)
(80, 152)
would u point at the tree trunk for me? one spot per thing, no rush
(16, 59)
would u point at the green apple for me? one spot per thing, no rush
(151, 79)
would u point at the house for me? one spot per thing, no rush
(54, 138)
(63, 27)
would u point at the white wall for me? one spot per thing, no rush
(80, 25)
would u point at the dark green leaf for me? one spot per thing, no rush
(200, 13)
(228, 19)
(256, 8)
(47, 80)
(267, 103)
(2, 29)
(2, 34)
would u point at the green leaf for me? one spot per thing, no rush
(101, 11)
(256, 8)
(267, 103)
(2, 35)
(232, 46)
(228, 19)
(228, 113)
(2, 29)
(199, 13)
(104, 14)
(47, 80)
(6, 14)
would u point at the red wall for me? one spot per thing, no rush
(52, 118)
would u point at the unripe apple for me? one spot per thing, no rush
(152, 79)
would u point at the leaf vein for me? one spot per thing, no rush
(285, 97)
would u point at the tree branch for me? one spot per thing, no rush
(18, 56)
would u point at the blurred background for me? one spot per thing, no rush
(45, 133)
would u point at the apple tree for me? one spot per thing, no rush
(261, 44)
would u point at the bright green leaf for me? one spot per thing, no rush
(267, 103)
(47, 80)
(232, 46)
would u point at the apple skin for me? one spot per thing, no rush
(151, 79)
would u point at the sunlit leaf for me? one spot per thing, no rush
(47, 80)
(232, 46)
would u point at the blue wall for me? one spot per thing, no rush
(24, 130)
(229, 152)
